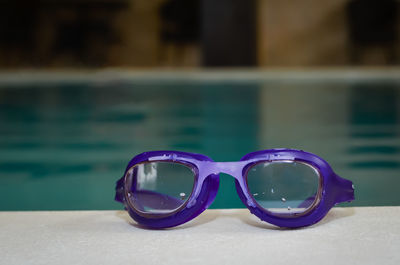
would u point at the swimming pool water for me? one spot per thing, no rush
(64, 144)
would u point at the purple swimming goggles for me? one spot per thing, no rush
(284, 187)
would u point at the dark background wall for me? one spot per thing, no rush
(195, 33)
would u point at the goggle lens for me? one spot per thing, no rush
(284, 188)
(159, 187)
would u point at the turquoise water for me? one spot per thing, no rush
(63, 145)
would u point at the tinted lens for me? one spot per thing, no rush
(284, 187)
(159, 187)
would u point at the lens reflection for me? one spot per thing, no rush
(159, 187)
(284, 187)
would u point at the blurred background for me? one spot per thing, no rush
(87, 84)
(196, 33)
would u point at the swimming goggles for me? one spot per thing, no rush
(284, 187)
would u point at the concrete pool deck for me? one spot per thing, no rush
(194, 75)
(353, 235)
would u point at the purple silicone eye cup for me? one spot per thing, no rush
(154, 209)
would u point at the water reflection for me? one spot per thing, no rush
(375, 139)
(63, 146)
